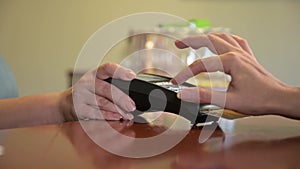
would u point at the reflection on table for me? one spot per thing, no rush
(253, 142)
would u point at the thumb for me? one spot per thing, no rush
(195, 95)
(203, 96)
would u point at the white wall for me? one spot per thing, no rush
(41, 39)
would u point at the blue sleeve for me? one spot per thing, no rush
(8, 86)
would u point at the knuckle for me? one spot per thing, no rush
(102, 89)
(241, 40)
(230, 57)
(196, 63)
(108, 65)
(101, 101)
(244, 41)
(105, 65)
(235, 59)
(233, 56)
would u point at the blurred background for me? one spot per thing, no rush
(41, 39)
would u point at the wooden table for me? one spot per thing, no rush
(252, 142)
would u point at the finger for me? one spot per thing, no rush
(210, 64)
(111, 115)
(95, 113)
(239, 43)
(125, 115)
(193, 69)
(228, 38)
(115, 95)
(103, 104)
(218, 43)
(245, 46)
(114, 70)
(221, 45)
(195, 42)
(243, 43)
(236, 42)
(203, 96)
(90, 98)
(85, 111)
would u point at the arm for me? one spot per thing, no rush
(252, 90)
(30, 110)
(89, 98)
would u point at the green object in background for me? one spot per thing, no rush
(200, 23)
(192, 23)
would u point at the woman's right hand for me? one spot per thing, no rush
(252, 90)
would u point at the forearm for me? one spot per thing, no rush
(288, 103)
(30, 110)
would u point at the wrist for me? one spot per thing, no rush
(66, 108)
(286, 103)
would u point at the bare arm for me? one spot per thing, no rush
(90, 98)
(30, 110)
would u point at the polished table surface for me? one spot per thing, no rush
(252, 142)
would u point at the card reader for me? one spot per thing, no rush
(160, 95)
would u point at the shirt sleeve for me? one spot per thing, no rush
(8, 86)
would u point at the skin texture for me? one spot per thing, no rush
(91, 97)
(252, 90)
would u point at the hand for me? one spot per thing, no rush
(93, 98)
(252, 90)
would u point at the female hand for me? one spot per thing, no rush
(93, 98)
(252, 90)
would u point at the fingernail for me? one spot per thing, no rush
(129, 116)
(116, 117)
(179, 95)
(131, 106)
(173, 81)
(130, 75)
(119, 118)
(182, 94)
